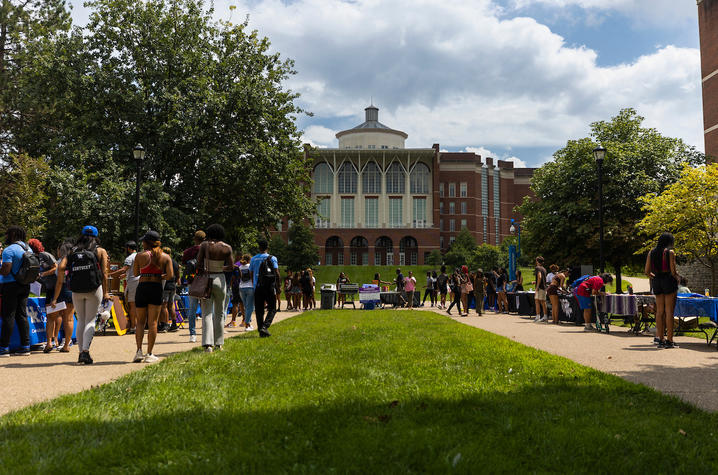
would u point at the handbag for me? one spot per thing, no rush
(201, 285)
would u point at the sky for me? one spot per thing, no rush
(509, 79)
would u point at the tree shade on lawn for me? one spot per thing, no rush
(382, 391)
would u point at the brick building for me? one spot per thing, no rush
(708, 28)
(380, 203)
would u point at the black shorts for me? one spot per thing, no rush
(664, 284)
(236, 298)
(148, 293)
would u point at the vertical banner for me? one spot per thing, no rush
(512, 262)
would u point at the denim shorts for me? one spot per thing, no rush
(584, 302)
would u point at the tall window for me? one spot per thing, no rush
(441, 190)
(441, 224)
(452, 190)
(451, 240)
(371, 212)
(395, 179)
(395, 217)
(419, 210)
(419, 179)
(462, 189)
(347, 178)
(441, 242)
(452, 225)
(463, 207)
(323, 213)
(371, 179)
(323, 179)
(452, 208)
(463, 224)
(347, 212)
(441, 207)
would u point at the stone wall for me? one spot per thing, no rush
(698, 276)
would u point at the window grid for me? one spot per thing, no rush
(441, 190)
(347, 179)
(441, 224)
(323, 213)
(371, 179)
(395, 218)
(452, 225)
(323, 179)
(419, 210)
(371, 212)
(347, 212)
(463, 224)
(463, 207)
(441, 207)
(452, 208)
(452, 190)
(395, 179)
(462, 189)
(419, 179)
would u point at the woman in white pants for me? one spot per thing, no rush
(214, 258)
(87, 267)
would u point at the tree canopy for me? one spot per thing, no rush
(562, 223)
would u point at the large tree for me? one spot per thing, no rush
(562, 223)
(688, 209)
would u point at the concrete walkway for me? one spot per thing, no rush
(30, 379)
(689, 372)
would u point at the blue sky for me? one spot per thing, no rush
(511, 79)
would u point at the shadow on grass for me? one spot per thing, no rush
(556, 427)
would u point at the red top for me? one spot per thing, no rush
(592, 283)
(190, 253)
(150, 269)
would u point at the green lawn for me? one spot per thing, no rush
(363, 392)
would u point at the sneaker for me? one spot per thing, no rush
(162, 327)
(4, 352)
(193, 338)
(231, 325)
(669, 344)
(23, 351)
(264, 333)
(138, 356)
(661, 344)
(218, 348)
(248, 328)
(173, 328)
(589, 329)
(656, 340)
(88, 359)
(150, 358)
(537, 318)
(543, 320)
(208, 349)
(131, 331)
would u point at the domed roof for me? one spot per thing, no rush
(371, 123)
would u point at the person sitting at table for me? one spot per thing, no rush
(341, 280)
(584, 293)
(683, 286)
(552, 293)
(661, 269)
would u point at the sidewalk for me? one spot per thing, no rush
(30, 379)
(688, 372)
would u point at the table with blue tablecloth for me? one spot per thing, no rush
(37, 320)
(696, 305)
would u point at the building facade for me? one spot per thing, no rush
(380, 203)
(708, 28)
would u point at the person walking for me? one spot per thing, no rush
(87, 267)
(189, 262)
(153, 266)
(661, 269)
(466, 287)
(14, 293)
(214, 258)
(479, 291)
(443, 283)
(47, 279)
(246, 290)
(429, 292)
(131, 281)
(265, 272)
(455, 284)
(410, 286)
(64, 318)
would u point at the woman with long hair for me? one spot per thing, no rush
(661, 269)
(214, 258)
(455, 285)
(87, 265)
(153, 266)
(501, 283)
(47, 278)
(466, 288)
(64, 319)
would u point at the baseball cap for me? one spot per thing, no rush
(89, 231)
(151, 236)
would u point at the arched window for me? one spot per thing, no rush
(347, 178)
(419, 179)
(371, 179)
(323, 179)
(395, 179)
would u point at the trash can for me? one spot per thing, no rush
(329, 297)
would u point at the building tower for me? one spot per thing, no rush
(708, 28)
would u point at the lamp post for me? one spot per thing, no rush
(139, 155)
(599, 153)
(513, 255)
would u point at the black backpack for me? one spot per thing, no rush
(245, 275)
(266, 276)
(84, 270)
(190, 267)
(29, 269)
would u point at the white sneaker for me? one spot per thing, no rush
(150, 358)
(249, 328)
(193, 338)
(544, 320)
(208, 349)
(537, 318)
(138, 356)
(588, 329)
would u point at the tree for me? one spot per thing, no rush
(485, 257)
(689, 210)
(562, 222)
(461, 250)
(23, 181)
(301, 251)
(278, 248)
(435, 258)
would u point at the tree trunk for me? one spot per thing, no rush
(713, 279)
(618, 278)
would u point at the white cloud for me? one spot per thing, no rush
(484, 152)
(319, 136)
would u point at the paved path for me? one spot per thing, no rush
(689, 372)
(26, 380)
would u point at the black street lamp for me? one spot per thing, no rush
(139, 155)
(599, 153)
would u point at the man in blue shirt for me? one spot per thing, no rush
(264, 288)
(14, 295)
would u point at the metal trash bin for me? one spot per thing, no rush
(329, 298)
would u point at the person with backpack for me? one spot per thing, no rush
(20, 267)
(47, 279)
(87, 268)
(265, 272)
(479, 291)
(189, 262)
(64, 318)
(455, 285)
(153, 266)
(246, 290)
(442, 281)
(214, 258)
(661, 269)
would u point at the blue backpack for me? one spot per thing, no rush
(577, 282)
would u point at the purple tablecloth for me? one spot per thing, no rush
(619, 304)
